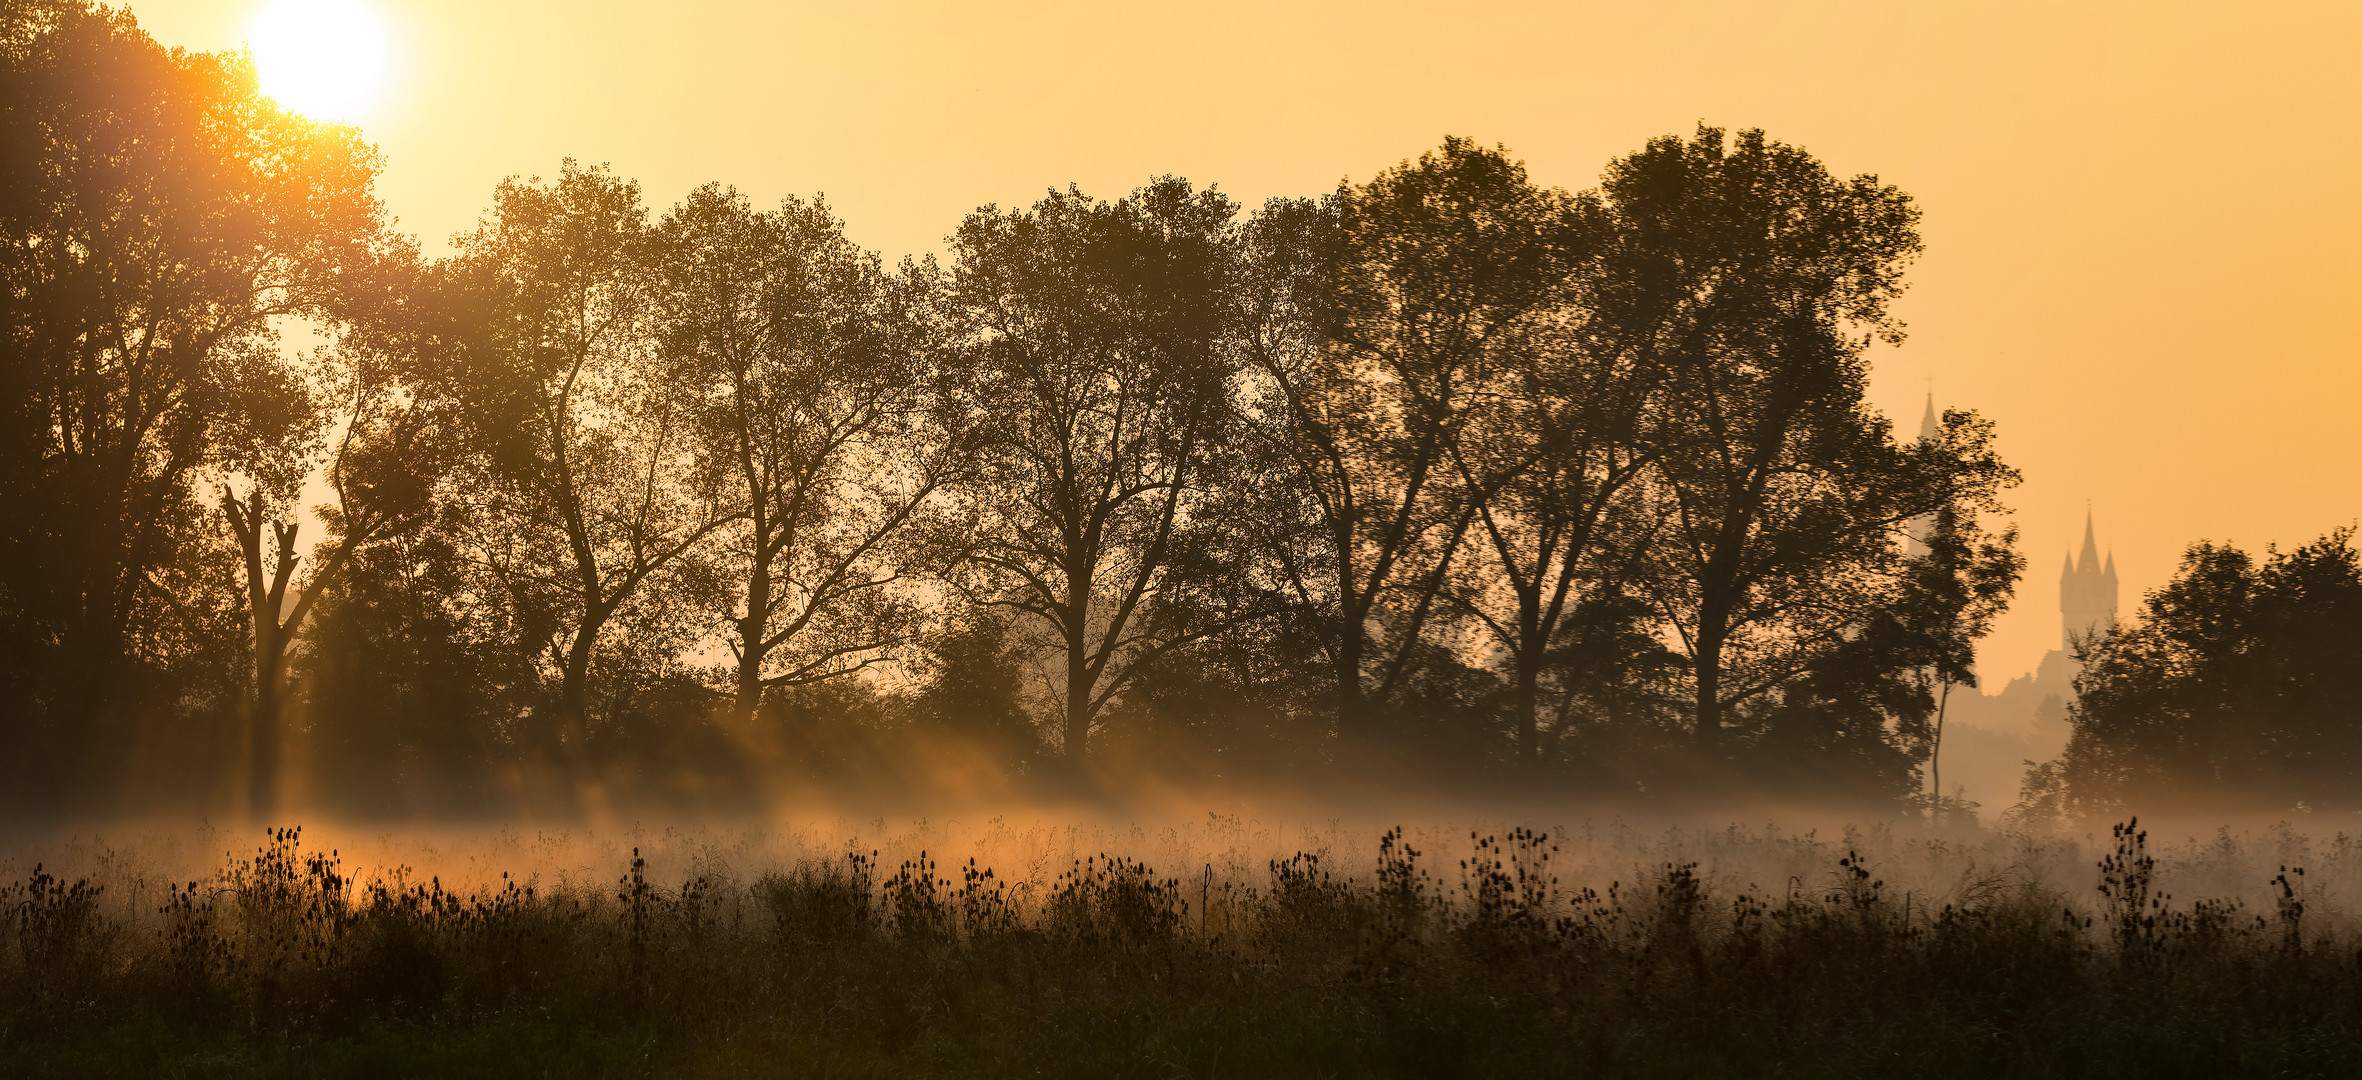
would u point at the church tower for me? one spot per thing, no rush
(1915, 532)
(2087, 591)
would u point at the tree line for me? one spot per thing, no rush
(1444, 472)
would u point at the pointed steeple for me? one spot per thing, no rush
(1919, 530)
(2087, 588)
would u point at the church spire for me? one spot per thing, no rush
(2087, 589)
(1918, 530)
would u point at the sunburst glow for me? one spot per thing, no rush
(326, 59)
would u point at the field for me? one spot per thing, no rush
(1220, 946)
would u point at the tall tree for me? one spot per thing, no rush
(158, 216)
(1100, 357)
(1761, 281)
(1572, 420)
(1954, 590)
(819, 412)
(584, 493)
(1378, 318)
(380, 464)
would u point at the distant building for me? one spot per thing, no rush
(2087, 592)
(1915, 533)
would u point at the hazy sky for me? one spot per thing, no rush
(2141, 218)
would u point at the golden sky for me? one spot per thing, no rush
(2141, 218)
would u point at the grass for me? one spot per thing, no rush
(1409, 963)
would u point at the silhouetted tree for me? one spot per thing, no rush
(2240, 682)
(1761, 280)
(413, 679)
(973, 690)
(1952, 594)
(817, 408)
(157, 217)
(1620, 698)
(1861, 719)
(582, 502)
(1100, 350)
(1573, 417)
(1379, 318)
(383, 453)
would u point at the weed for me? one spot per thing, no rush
(1311, 969)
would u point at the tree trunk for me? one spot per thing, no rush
(1352, 724)
(1935, 752)
(753, 630)
(567, 735)
(1078, 692)
(749, 699)
(266, 601)
(1532, 642)
(95, 643)
(269, 668)
(1713, 628)
(1528, 706)
(1709, 676)
(1353, 721)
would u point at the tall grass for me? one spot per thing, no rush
(1727, 954)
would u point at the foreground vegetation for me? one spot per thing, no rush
(285, 962)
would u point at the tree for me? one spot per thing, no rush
(1100, 353)
(2237, 683)
(1379, 317)
(381, 466)
(157, 217)
(1954, 591)
(413, 677)
(1864, 716)
(972, 691)
(821, 415)
(1620, 697)
(582, 494)
(1761, 280)
(1572, 408)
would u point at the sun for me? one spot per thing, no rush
(327, 59)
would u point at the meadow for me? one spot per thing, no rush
(1219, 946)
